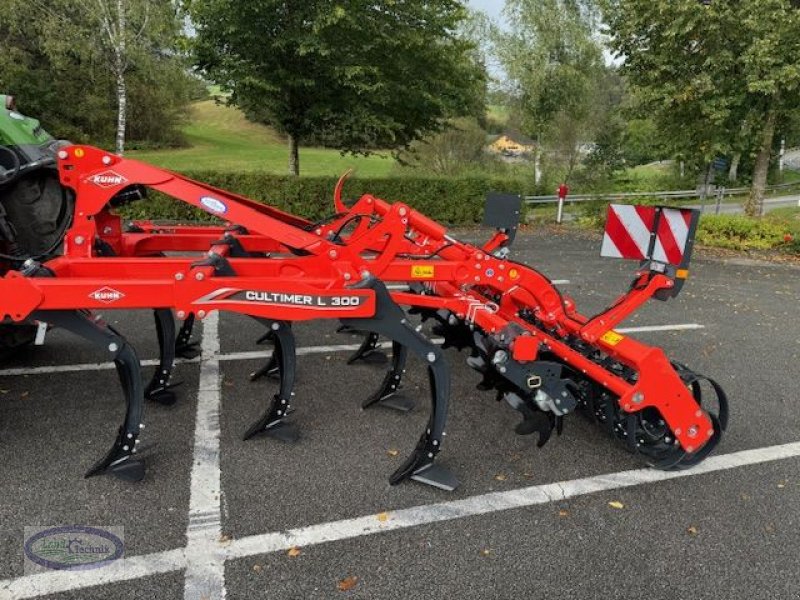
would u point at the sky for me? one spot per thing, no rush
(493, 8)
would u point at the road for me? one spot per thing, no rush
(792, 158)
(731, 208)
(525, 523)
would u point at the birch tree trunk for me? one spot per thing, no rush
(120, 66)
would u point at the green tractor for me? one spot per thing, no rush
(35, 210)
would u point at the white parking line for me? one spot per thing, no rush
(302, 351)
(645, 328)
(205, 567)
(402, 287)
(173, 560)
(133, 567)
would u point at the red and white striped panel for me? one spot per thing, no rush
(628, 230)
(673, 233)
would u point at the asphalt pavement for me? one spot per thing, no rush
(730, 532)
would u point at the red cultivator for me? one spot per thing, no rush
(526, 338)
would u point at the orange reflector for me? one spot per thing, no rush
(682, 273)
(79, 153)
(612, 338)
(514, 274)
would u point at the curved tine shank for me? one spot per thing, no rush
(159, 389)
(272, 423)
(390, 321)
(119, 459)
(369, 352)
(386, 394)
(185, 347)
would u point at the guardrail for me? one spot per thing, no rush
(679, 194)
(713, 195)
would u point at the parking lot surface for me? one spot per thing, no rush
(218, 516)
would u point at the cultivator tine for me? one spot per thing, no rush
(271, 369)
(369, 352)
(272, 423)
(119, 460)
(159, 388)
(185, 347)
(387, 395)
(389, 321)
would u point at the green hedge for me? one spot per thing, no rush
(737, 232)
(452, 201)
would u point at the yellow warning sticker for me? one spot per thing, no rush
(612, 338)
(514, 274)
(422, 271)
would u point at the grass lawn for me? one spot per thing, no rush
(790, 176)
(220, 138)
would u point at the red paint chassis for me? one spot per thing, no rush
(526, 337)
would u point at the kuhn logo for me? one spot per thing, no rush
(107, 295)
(107, 179)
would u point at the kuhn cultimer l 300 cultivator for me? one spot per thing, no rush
(525, 337)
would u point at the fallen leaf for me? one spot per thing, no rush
(616, 504)
(383, 517)
(258, 568)
(24, 394)
(563, 513)
(486, 551)
(782, 485)
(327, 358)
(528, 475)
(500, 477)
(348, 583)
(294, 551)
(4, 391)
(692, 530)
(225, 539)
(392, 452)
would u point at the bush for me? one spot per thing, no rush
(452, 201)
(737, 232)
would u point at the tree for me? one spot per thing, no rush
(356, 76)
(449, 152)
(718, 77)
(553, 62)
(120, 34)
(50, 55)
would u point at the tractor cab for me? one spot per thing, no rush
(24, 145)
